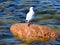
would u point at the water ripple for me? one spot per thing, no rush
(14, 11)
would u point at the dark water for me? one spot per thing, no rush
(47, 12)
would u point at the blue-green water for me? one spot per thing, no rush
(47, 12)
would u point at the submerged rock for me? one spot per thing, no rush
(33, 32)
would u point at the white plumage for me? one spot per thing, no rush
(30, 15)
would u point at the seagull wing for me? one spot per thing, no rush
(30, 16)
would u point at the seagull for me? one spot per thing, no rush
(30, 15)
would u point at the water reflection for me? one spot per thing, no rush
(11, 12)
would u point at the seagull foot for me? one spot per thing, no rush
(28, 24)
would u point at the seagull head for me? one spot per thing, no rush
(31, 8)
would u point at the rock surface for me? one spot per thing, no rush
(33, 32)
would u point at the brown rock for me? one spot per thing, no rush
(33, 32)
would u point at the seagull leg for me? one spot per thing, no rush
(29, 24)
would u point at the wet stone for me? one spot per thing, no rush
(38, 34)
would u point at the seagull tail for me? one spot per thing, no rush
(26, 21)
